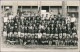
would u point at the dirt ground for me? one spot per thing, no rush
(7, 47)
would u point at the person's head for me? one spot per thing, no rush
(68, 28)
(25, 18)
(68, 25)
(44, 21)
(25, 27)
(11, 27)
(52, 24)
(76, 35)
(22, 26)
(55, 16)
(63, 16)
(68, 21)
(35, 21)
(56, 28)
(36, 14)
(53, 28)
(22, 17)
(4, 26)
(8, 20)
(59, 24)
(34, 25)
(48, 28)
(15, 26)
(46, 25)
(46, 15)
(42, 15)
(16, 16)
(44, 33)
(63, 22)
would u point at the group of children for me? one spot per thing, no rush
(36, 29)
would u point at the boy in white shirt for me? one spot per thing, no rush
(73, 21)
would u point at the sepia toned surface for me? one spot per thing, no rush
(72, 8)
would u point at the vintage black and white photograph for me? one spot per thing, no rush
(39, 24)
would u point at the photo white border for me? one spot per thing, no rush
(44, 50)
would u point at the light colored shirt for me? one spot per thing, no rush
(73, 19)
(10, 16)
(46, 17)
(39, 35)
(5, 19)
(43, 18)
(4, 33)
(68, 19)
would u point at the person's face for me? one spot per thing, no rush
(46, 25)
(35, 21)
(25, 27)
(52, 24)
(9, 25)
(54, 16)
(59, 25)
(15, 26)
(65, 27)
(36, 14)
(12, 27)
(76, 35)
(25, 18)
(53, 21)
(34, 25)
(63, 22)
(22, 17)
(56, 28)
(16, 16)
(74, 27)
(4, 26)
(44, 21)
(69, 28)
